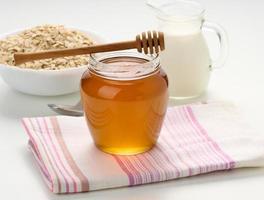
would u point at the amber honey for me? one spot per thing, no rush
(124, 103)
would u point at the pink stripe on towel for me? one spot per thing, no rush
(71, 162)
(178, 128)
(192, 142)
(230, 163)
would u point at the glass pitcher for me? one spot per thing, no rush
(186, 57)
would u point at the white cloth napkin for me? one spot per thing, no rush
(195, 139)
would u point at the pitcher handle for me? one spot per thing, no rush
(223, 40)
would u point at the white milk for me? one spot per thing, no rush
(186, 56)
(186, 61)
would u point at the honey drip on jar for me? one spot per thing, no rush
(124, 115)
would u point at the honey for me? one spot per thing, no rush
(124, 100)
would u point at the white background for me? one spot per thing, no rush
(241, 80)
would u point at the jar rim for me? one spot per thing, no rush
(149, 64)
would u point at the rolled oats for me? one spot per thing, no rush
(41, 38)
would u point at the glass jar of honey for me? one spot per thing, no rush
(124, 96)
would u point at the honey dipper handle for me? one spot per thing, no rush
(25, 57)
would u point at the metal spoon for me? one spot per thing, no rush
(75, 110)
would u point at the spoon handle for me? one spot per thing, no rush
(25, 57)
(149, 42)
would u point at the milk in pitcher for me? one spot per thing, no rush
(186, 57)
(186, 60)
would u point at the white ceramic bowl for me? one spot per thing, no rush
(45, 82)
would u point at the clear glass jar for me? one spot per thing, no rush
(124, 97)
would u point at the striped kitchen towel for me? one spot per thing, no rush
(195, 139)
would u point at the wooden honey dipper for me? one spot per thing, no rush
(148, 42)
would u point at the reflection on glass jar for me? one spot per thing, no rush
(124, 98)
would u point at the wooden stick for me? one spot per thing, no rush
(146, 43)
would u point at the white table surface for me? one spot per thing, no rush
(241, 81)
